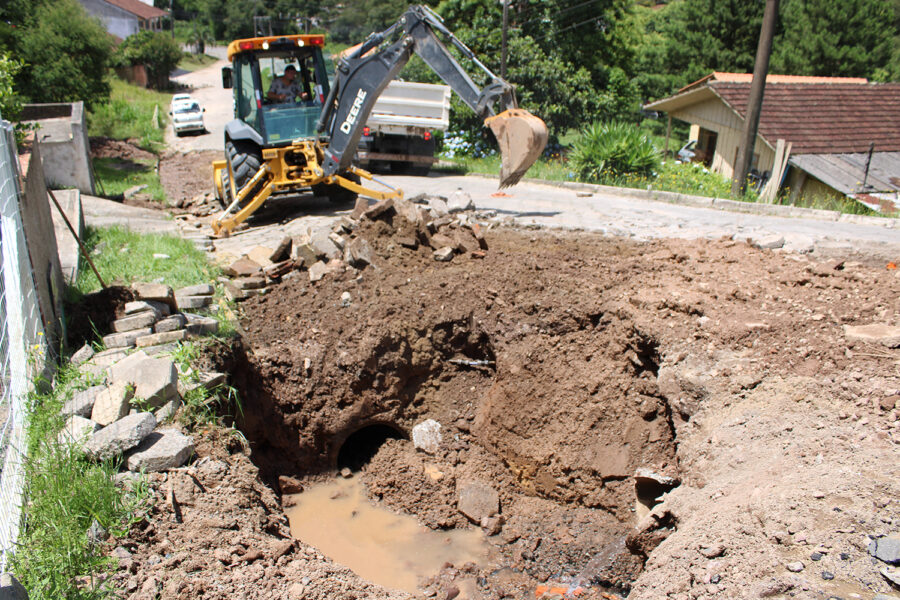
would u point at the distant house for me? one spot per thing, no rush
(830, 122)
(126, 17)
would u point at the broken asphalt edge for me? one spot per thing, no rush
(775, 210)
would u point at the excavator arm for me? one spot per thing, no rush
(362, 76)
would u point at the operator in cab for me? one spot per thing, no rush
(286, 88)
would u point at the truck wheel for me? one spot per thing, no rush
(245, 161)
(335, 193)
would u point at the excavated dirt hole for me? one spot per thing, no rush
(569, 514)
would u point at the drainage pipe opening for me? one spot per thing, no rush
(359, 448)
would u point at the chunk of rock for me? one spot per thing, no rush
(82, 403)
(477, 501)
(122, 435)
(438, 206)
(192, 302)
(795, 567)
(112, 403)
(444, 254)
(283, 251)
(139, 306)
(84, 354)
(77, 431)
(886, 549)
(289, 485)
(770, 242)
(460, 201)
(11, 589)
(361, 206)
(126, 339)
(359, 253)
(168, 410)
(200, 325)
(155, 380)
(202, 289)
(173, 323)
(876, 333)
(426, 436)
(242, 267)
(317, 271)
(161, 450)
(156, 292)
(379, 208)
(324, 246)
(155, 339)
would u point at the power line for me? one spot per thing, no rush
(558, 13)
(591, 20)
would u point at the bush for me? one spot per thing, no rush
(158, 52)
(606, 152)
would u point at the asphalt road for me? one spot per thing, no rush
(606, 212)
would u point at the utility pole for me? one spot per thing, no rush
(503, 43)
(172, 17)
(754, 102)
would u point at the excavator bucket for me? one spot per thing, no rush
(522, 137)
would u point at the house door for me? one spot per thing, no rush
(706, 144)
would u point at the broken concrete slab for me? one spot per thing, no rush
(173, 323)
(460, 201)
(886, 548)
(338, 240)
(359, 253)
(77, 431)
(125, 339)
(202, 289)
(124, 434)
(441, 240)
(361, 206)
(407, 210)
(157, 292)
(438, 206)
(770, 242)
(477, 501)
(140, 320)
(161, 450)
(200, 325)
(305, 255)
(321, 242)
(234, 293)
(112, 403)
(166, 337)
(139, 306)
(283, 250)
(82, 403)
(317, 271)
(444, 254)
(243, 267)
(168, 410)
(84, 354)
(249, 283)
(10, 588)
(426, 436)
(260, 255)
(378, 209)
(192, 302)
(876, 333)
(465, 241)
(155, 380)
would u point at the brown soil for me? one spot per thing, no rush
(93, 314)
(102, 147)
(185, 176)
(711, 362)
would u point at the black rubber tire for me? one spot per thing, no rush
(226, 189)
(335, 193)
(245, 160)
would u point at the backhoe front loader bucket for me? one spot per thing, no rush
(522, 137)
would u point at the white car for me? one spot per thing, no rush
(186, 113)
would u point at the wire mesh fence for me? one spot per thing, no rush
(21, 338)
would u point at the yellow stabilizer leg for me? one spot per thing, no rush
(359, 189)
(226, 226)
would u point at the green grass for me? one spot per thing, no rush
(117, 175)
(840, 204)
(195, 62)
(202, 406)
(129, 114)
(124, 257)
(66, 494)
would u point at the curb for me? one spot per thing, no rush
(775, 210)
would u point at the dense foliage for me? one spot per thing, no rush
(158, 52)
(607, 151)
(10, 103)
(64, 50)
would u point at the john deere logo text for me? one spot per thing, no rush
(354, 111)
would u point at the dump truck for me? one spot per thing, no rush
(287, 145)
(399, 134)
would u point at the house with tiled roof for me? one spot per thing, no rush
(843, 133)
(126, 17)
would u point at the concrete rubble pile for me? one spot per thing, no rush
(445, 227)
(139, 390)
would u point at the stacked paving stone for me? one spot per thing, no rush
(441, 224)
(156, 318)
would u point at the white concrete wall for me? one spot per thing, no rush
(117, 21)
(65, 151)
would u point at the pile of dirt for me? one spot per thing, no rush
(93, 313)
(187, 181)
(102, 147)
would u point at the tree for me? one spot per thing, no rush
(358, 19)
(158, 52)
(10, 103)
(65, 52)
(845, 38)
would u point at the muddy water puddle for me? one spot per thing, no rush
(386, 548)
